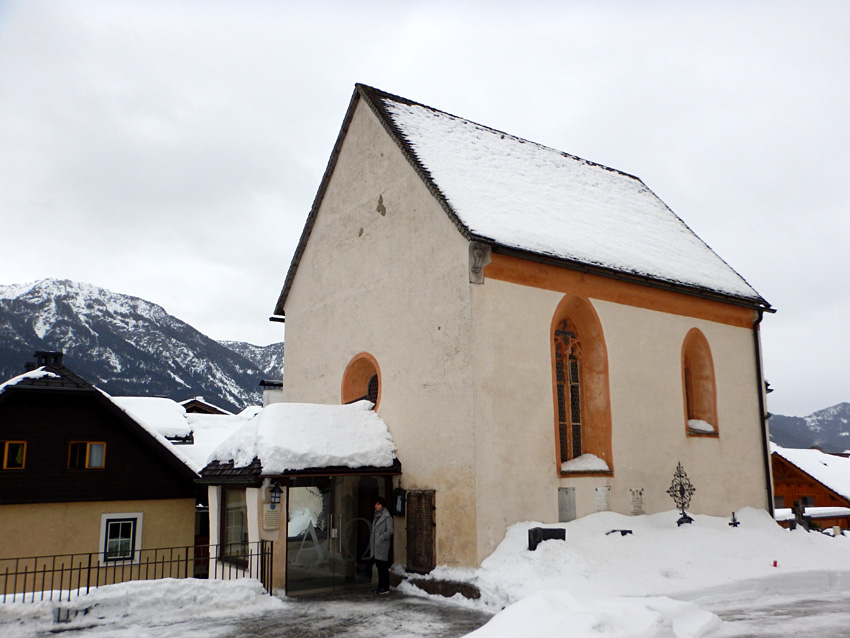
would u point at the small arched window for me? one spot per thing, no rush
(362, 380)
(698, 387)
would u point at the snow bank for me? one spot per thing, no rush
(297, 436)
(656, 559)
(126, 606)
(581, 583)
(552, 613)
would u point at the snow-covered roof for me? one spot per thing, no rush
(299, 436)
(165, 416)
(210, 430)
(542, 203)
(833, 471)
(38, 373)
(526, 196)
(199, 402)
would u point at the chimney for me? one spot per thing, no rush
(47, 358)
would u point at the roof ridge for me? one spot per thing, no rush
(397, 98)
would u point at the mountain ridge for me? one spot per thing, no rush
(828, 429)
(127, 345)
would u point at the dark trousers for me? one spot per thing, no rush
(383, 574)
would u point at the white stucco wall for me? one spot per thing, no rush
(394, 285)
(516, 470)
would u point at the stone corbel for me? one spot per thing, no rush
(479, 257)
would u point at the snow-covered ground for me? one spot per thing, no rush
(653, 581)
(166, 608)
(659, 581)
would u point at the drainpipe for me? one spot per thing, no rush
(763, 412)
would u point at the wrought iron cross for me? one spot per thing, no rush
(681, 491)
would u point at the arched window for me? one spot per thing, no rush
(700, 393)
(580, 383)
(362, 380)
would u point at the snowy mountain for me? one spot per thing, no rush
(128, 346)
(828, 429)
(268, 358)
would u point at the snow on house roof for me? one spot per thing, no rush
(196, 404)
(38, 373)
(299, 436)
(160, 419)
(833, 471)
(164, 417)
(536, 199)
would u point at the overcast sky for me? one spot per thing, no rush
(172, 150)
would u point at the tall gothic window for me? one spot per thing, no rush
(568, 389)
(582, 407)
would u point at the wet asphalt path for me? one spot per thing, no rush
(363, 614)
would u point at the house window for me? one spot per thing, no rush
(14, 455)
(234, 525)
(582, 405)
(698, 385)
(86, 455)
(120, 537)
(362, 380)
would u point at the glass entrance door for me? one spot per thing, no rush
(329, 523)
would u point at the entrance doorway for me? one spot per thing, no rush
(330, 520)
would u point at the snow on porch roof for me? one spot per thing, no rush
(299, 436)
(535, 199)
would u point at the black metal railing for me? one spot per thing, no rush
(38, 578)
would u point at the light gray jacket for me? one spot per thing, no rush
(382, 535)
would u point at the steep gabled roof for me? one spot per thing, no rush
(536, 202)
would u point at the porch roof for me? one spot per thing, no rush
(292, 438)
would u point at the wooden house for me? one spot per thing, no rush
(80, 475)
(811, 485)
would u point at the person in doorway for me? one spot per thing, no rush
(379, 543)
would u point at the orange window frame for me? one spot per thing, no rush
(87, 465)
(6, 445)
